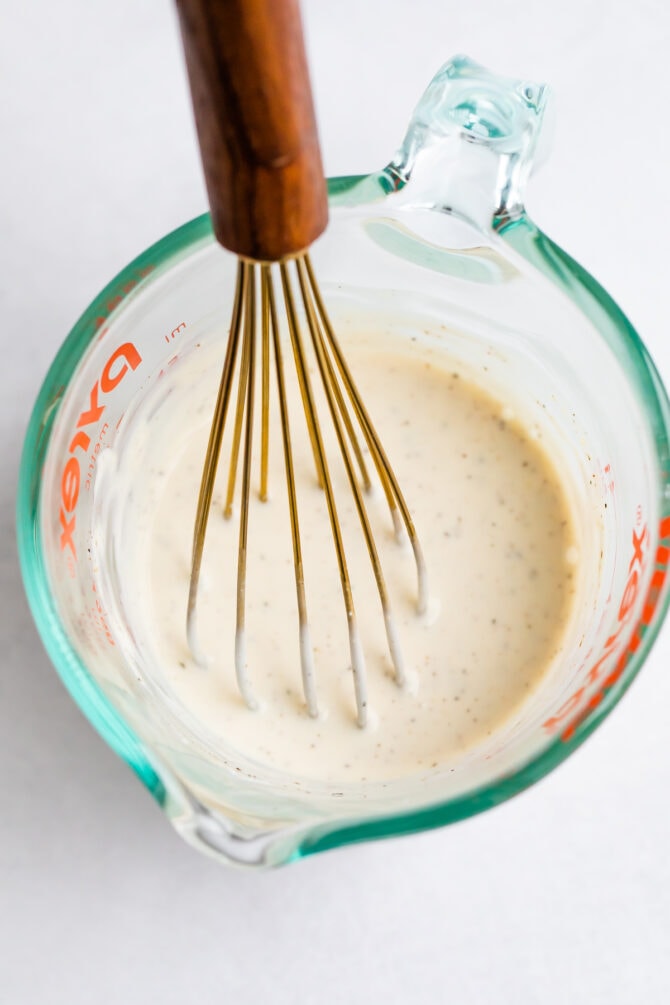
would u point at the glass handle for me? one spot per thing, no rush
(472, 142)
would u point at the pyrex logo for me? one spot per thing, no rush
(581, 702)
(115, 369)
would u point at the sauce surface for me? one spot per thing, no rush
(495, 525)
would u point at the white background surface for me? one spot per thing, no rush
(562, 894)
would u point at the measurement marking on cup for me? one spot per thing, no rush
(175, 331)
(98, 616)
(93, 456)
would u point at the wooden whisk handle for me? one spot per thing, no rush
(255, 119)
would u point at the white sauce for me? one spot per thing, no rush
(496, 530)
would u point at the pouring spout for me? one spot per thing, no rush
(472, 142)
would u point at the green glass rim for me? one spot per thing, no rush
(522, 235)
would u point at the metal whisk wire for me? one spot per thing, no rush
(342, 398)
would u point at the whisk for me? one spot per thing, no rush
(257, 132)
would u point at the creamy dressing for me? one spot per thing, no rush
(496, 528)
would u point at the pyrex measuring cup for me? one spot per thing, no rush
(438, 243)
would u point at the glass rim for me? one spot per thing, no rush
(522, 236)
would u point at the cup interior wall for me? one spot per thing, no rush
(501, 323)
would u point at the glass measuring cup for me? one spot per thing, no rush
(440, 242)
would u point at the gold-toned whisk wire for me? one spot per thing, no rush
(311, 417)
(212, 460)
(239, 407)
(241, 669)
(338, 412)
(381, 461)
(266, 293)
(345, 406)
(306, 653)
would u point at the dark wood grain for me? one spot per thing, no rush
(255, 119)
